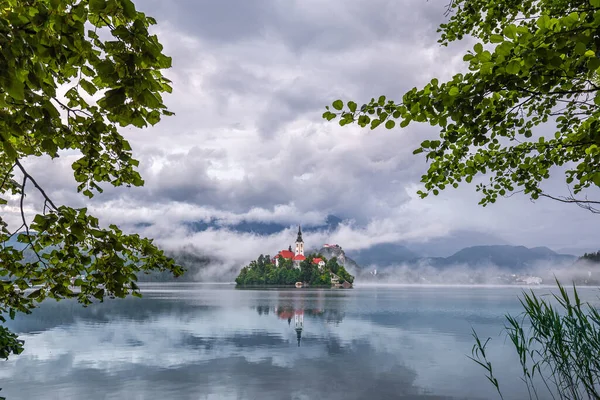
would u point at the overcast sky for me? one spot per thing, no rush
(251, 80)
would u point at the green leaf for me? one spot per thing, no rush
(128, 9)
(35, 294)
(496, 38)
(154, 117)
(478, 48)
(338, 105)
(99, 294)
(164, 61)
(390, 124)
(453, 91)
(513, 67)
(352, 106)
(543, 21)
(97, 6)
(113, 98)
(15, 87)
(580, 48)
(510, 31)
(88, 87)
(49, 146)
(78, 230)
(148, 99)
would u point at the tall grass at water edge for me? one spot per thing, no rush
(558, 347)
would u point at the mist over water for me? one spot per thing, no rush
(581, 273)
(484, 274)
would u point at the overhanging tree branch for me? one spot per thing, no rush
(25, 221)
(26, 176)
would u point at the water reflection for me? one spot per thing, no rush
(190, 342)
(297, 315)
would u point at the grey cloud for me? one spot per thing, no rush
(301, 24)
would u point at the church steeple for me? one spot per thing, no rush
(299, 324)
(299, 243)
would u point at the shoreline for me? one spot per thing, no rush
(286, 287)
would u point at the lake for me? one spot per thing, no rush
(212, 341)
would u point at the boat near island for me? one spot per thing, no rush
(299, 285)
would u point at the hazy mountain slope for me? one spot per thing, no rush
(453, 242)
(505, 256)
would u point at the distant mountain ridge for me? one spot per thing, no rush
(503, 256)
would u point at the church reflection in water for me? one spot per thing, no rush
(293, 308)
(297, 315)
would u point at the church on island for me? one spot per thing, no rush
(297, 256)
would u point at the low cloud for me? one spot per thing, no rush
(544, 273)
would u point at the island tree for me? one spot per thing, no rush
(527, 102)
(72, 74)
(263, 271)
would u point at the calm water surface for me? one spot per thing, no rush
(218, 342)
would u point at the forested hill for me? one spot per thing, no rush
(263, 271)
(590, 257)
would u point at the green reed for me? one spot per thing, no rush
(559, 344)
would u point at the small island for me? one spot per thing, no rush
(293, 268)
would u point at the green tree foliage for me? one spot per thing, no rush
(534, 67)
(100, 54)
(309, 272)
(344, 275)
(332, 264)
(263, 272)
(592, 257)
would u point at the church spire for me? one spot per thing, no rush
(299, 324)
(299, 243)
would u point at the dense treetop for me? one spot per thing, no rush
(592, 257)
(262, 271)
(72, 73)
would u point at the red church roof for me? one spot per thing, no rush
(286, 254)
(317, 260)
(299, 257)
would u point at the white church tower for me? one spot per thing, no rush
(299, 324)
(299, 243)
